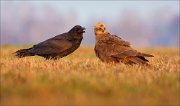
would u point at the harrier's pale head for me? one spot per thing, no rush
(100, 29)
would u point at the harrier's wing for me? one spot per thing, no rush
(113, 45)
(119, 41)
(129, 55)
(117, 47)
(129, 52)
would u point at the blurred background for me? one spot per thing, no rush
(143, 23)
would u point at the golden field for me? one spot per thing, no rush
(82, 79)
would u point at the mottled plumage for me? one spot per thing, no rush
(56, 47)
(111, 48)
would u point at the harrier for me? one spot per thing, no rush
(111, 48)
(56, 47)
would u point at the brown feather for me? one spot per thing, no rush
(111, 48)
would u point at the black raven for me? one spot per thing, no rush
(56, 47)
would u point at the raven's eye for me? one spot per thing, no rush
(77, 29)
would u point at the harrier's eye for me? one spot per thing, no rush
(101, 25)
(99, 29)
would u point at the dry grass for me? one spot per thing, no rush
(81, 78)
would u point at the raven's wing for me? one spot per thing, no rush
(51, 46)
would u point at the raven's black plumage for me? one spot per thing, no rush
(56, 47)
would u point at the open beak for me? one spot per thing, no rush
(83, 29)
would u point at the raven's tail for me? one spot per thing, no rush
(23, 53)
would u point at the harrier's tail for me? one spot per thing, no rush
(140, 59)
(147, 55)
(23, 53)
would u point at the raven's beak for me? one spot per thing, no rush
(83, 29)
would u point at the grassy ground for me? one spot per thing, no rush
(81, 78)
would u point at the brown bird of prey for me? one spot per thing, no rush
(111, 48)
(56, 47)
